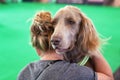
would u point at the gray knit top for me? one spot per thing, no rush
(56, 70)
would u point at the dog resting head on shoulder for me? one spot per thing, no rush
(74, 34)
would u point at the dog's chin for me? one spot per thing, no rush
(61, 51)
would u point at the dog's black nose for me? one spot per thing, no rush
(55, 41)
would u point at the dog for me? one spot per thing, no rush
(74, 34)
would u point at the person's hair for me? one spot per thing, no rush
(41, 31)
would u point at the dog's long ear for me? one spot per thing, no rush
(88, 39)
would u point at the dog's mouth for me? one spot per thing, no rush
(62, 50)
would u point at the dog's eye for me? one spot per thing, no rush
(71, 22)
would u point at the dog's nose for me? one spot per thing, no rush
(55, 41)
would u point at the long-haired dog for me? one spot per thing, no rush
(74, 34)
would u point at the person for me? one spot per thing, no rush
(2, 1)
(52, 66)
(116, 74)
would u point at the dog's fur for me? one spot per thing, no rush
(74, 34)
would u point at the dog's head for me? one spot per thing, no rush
(73, 32)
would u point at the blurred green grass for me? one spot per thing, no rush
(15, 50)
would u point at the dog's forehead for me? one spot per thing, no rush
(68, 12)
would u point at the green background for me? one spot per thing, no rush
(15, 20)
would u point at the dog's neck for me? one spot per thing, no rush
(75, 55)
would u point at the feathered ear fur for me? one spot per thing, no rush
(88, 40)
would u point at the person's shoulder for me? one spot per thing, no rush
(76, 66)
(27, 71)
(31, 66)
(80, 72)
(82, 69)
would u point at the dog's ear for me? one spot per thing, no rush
(88, 39)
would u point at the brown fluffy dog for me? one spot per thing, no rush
(74, 34)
